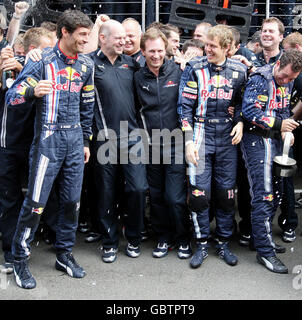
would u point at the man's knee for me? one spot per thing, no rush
(225, 199)
(198, 200)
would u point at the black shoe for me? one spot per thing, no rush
(161, 250)
(109, 254)
(184, 251)
(66, 262)
(289, 235)
(8, 266)
(225, 253)
(24, 278)
(244, 240)
(273, 264)
(200, 254)
(278, 248)
(133, 251)
(93, 237)
(83, 227)
(145, 235)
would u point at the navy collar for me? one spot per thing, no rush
(63, 56)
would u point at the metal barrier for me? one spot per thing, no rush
(289, 11)
(211, 11)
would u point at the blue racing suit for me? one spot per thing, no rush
(206, 92)
(265, 105)
(62, 128)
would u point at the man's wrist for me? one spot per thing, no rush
(16, 17)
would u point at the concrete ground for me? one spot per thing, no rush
(169, 278)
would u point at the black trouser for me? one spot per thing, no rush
(89, 198)
(106, 176)
(169, 214)
(13, 175)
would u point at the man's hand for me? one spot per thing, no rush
(11, 64)
(192, 154)
(231, 111)
(7, 53)
(289, 125)
(86, 154)
(34, 54)
(181, 61)
(101, 19)
(20, 8)
(237, 133)
(42, 88)
(292, 137)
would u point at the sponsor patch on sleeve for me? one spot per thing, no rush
(262, 98)
(268, 120)
(89, 87)
(189, 95)
(192, 84)
(185, 125)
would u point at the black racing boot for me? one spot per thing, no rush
(200, 254)
(225, 253)
(273, 264)
(66, 262)
(24, 278)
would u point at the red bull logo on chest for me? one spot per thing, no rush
(216, 94)
(70, 85)
(219, 81)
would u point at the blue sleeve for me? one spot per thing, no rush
(86, 107)
(22, 90)
(187, 101)
(255, 102)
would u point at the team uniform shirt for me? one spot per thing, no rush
(115, 100)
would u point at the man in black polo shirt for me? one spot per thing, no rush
(114, 118)
(272, 31)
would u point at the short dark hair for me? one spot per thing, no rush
(196, 43)
(152, 34)
(256, 37)
(71, 20)
(168, 28)
(236, 35)
(293, 57)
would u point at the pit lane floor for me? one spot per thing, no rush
(168, 278)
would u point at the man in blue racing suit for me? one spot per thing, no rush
(60, 86)
(209, 86)
(265, 111)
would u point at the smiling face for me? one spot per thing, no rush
(154, 52)
(284, 75)
(173, 41)
(73, 43)
(215, 53)
(113, 40)
(270, 36)
(133, 37)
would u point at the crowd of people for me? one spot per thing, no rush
(115, 130)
